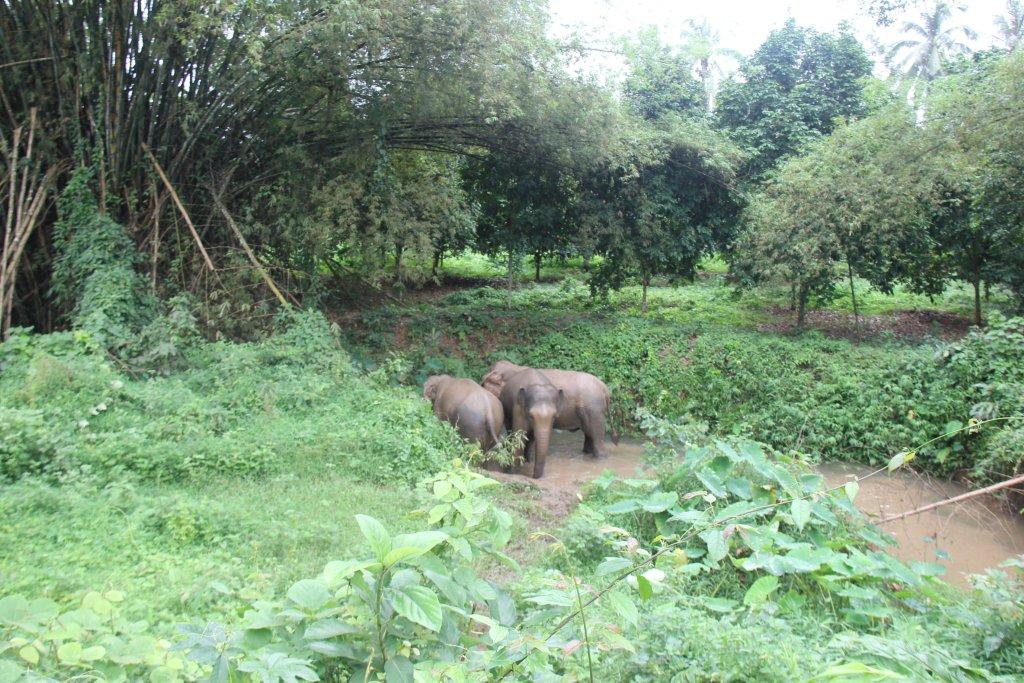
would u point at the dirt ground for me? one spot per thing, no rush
(910, 324)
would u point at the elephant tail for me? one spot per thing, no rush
(492, 431)
(613, 423)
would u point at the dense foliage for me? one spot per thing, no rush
(202, 477)
(697, 356)
(233, 409)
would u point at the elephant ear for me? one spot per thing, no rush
(430, 388)
(521, 398)
(493, 382)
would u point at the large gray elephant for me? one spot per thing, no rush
(476, 413)
(586, 400)
(530, 402)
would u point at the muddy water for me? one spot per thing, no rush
(966, 538)
(567, 467)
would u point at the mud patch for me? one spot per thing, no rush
(910, 324)
(966, 538)
(568, 469)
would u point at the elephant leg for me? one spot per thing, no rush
(593, 428)
(519, 423)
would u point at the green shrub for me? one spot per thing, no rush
(93, 272)
(27, 445)
(221, 408)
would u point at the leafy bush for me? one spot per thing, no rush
(41, 641)
(827, 397)
(27, 445)
(229, 409)
(93, 273)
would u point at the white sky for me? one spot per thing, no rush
(742, 24)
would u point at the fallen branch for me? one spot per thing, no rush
(955, 499)
(248, 251)
(181, 207)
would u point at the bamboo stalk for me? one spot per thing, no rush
(955, 499)
(181, 207)
(248, 251)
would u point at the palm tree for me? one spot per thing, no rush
(930, 44)
(1011, 26)
(703, 49)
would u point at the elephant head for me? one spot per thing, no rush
(536, 406)
(433, 385)
(498, 374)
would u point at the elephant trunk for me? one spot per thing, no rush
(542, 439)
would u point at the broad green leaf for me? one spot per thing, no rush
(739, 487)
(759, 591)
(613, 565)
(801, 512)
(399, 669)
(644, 586)
(407, 546)
(29, 654)
(718, 546)
(310, 594)
(328, 628)
(337, 571)
(376, 535)
(419, 605)
(851, 488)
(722, 605)
(442, 488)
(900, 459)
(91, 654)
(550, 596)
(70, 653)
(624, 607)
(659, 501)
(712, 482)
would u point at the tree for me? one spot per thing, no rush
(702, 45)
(793, 89)
(1010, 26)
(930, 44)
(850, 199)
(660, 79)
(978, 231)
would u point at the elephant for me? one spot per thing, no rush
(586, 401)
(476, 414)
(530, 402)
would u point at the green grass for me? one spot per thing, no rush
(712, 297)
(181, 550)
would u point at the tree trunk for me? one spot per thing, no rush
(988, 291)
(645, 282)
(792, 296)
(511, 274)
(398, 262)
(976, 283)
(586, 263)
(853, 294)
(801, 310)
(436, 264)
(536, 266)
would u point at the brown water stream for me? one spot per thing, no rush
(966, 538)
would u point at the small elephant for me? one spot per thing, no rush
(530, 402)
(586, 401)
(476, 414)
